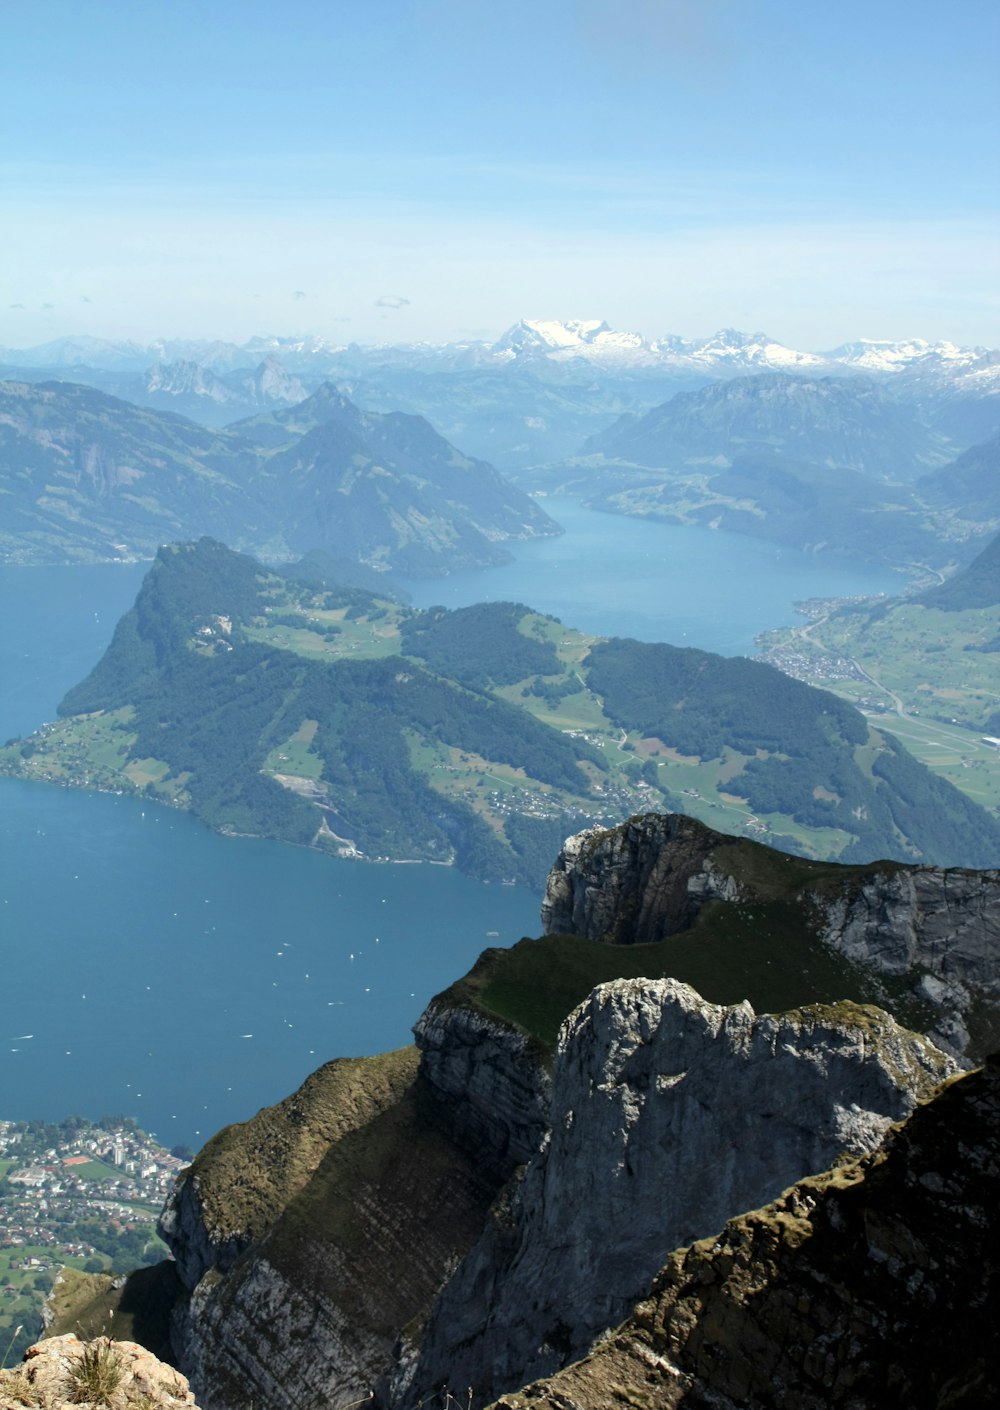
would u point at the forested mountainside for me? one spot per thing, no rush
(87, 478)
(839, 465)
(482, 736)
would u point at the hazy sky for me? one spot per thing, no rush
(408, 169)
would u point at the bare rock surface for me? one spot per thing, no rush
(669, 1115)
(634, 884)
(63, 1371)
(875, 1284)
(496, 1085)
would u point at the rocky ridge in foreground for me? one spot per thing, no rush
(486, 1208)
(361, 1255)
(668, 1115)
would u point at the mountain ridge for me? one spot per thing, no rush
(451, 1221)
(587, 338)
(89, 477)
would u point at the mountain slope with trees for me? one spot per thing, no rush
(85, 477)
(332, 718)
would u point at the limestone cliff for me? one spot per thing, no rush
(482, 1209)
(668, 1116)
(327, 1223)
(932, 933)
(490, 1075)
(872, 1285)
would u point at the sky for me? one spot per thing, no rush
(407, 170)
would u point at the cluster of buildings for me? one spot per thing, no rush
(811, 666)
(59, 1177)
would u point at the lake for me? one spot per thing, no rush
(154, 969)
(615, 576)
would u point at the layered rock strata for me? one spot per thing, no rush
(873, 1284)
(669, 1115)
(327, 1224)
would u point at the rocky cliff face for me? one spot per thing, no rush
(669, 1115)
(327, 1223)
(491, 1077)
(635, 884)
(873, 1284)
(482, 1210)
(937, 930)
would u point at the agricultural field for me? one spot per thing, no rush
(927, 676)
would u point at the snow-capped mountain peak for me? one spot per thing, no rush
(738, 349)
(872, 355)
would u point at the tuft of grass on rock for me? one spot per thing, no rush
(97, 1375)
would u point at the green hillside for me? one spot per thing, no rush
(481, 737)
(85, 477)
(975, 585)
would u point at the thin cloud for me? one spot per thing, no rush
(47, 305)
(391, 301)
(85, 300)
(15, 305)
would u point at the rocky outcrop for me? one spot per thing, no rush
(479, 1211)
(65, 1371)
(490, 1074)
(874, 1284)
(668, 1116)
(635, 884)
(940, 926)
(937, 930)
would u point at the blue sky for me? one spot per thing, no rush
(404, 170)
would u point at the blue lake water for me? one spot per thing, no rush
(187, 979)
(616, 576)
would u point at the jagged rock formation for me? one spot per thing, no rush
(635, 884)
(935, 929)
(482, 1210)
(668, 1116)
(63, 1371)
(329, 1221)
(872, 1284)
(490, 1075)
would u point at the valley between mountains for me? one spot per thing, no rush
(726, 1134)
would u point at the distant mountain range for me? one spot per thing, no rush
(880, 451)
(87, 477)
(849, 422)
(838, 464)
(727, 352)
(529, 397)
